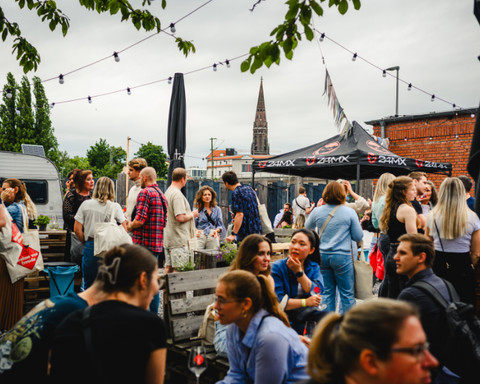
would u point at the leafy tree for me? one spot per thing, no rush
(22, 122)
(47, 9)
(66, 164)
(287, 35)
(106, 160)
(155, 157)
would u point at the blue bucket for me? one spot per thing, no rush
(61, 279)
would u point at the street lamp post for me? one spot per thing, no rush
(397, 68)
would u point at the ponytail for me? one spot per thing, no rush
(270, 302)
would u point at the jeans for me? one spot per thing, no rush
(337, 271)
(90, 264)
(155, 303)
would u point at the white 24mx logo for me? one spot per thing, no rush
(392, 160)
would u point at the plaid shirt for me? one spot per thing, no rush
(150, 212)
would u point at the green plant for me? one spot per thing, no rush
(54, 226)
(185, 267)
(287, 227)
(42, 220)
(228, 252)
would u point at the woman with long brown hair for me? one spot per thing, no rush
(11, 295)
(429, 198)
(398, 218)
(209, 223)
(262, 348)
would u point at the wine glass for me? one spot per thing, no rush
(309, 328)
(197, 362)
(316, 292)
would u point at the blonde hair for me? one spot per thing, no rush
(382, 186)
(395, 197)
(242, 284)
(138, 164)
(198, 197)
(104, 190)
(452, 210)
(339, 340)
(31, 208)
(299, 222)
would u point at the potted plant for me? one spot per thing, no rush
(42, 222)
(226, 255)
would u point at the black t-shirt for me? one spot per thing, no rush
(418, 208)
(123, 336)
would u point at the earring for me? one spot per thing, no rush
(244, 314)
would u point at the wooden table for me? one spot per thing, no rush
(52, 244)
(280, 251)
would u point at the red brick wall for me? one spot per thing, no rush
(443, 146)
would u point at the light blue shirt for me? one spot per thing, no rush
(205, 225)
(377, 211)
(272, 353)
(339, 232)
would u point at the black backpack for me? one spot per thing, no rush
(461, 353)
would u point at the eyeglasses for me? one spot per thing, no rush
(221, 301)
(419, 351)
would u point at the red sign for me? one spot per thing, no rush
(28, 258)
(419, 163)
(199, 359)
(371, 158)
(262, 164)
(311, 160)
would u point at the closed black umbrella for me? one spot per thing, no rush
(177, 124)
(474, 163)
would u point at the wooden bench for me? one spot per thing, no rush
(280, 251)
(183, 317)
(283, 235)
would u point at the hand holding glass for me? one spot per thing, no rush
(316, 292)
(197, 362)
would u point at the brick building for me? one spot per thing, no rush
(437, 136)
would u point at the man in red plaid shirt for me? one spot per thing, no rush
(150, 220)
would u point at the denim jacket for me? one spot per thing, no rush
(286, 281)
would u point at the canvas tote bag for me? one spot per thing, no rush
(264, 219)
(30, 259)
(193, 241)
(10, 242)
(363, 277)
(108, 234)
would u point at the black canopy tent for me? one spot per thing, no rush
(353, 156)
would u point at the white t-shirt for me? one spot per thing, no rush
(132, 199)
(300, 204)
(92, 212)
(177, 233)
(460, 244)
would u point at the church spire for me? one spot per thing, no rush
(260, 145)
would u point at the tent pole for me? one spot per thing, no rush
(253, 179)
(357, 186)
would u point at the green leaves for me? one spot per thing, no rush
(185, 46)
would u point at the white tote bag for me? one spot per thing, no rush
(264, 219)
(363, 278)
(10, 242)
(108, 234)
(30, 259)
(193, 241)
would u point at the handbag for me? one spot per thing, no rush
(76, 249)
(264, 219)
(109, 234)
(363, 275)
(30, 259)
(207, 329)
(10, 242)
(376, 261)
(193, 241)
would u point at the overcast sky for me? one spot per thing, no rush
(435, 43)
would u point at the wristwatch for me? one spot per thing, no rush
(299, 274)
(233, 233)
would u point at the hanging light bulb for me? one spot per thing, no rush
(129, 92)
(354, 57)
(472, 115)
(228, 63)
(214, 67)
(405, 138)
(60, 79)
(409, 87)
(9, 93)
(456, 136)
(433, 98)
(322, 36)
(116, 57)
(430, 137)
(172, 28)
(453, 106)
(89, 100)
(52, 105)
(170, 80)
(384, 73)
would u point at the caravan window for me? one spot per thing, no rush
(38, 190)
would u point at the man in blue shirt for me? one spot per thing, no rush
(468, 184)
(414, 258)
(245, 208)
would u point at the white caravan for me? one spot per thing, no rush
(41, 178)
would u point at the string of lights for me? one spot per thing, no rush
(410, 86)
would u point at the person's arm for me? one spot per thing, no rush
(237, 224)
(184, 217)
(271, 282)
(155, 372)
(422, 219)
(78, 229)
(407, 215)
(309, 209)
(3, 216)
(272, 359)
(475, 247)
(236, 373)
(306, 284)
(356, 231)
(222, 231)
(69, 207)
(311, 222)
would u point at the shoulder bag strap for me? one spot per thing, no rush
(330, 215)
(24, 217)
(106, 211)
(438, 233)
(298, 205)
(163, 203)
(431, 291)
(209, 218)
(87, 335)
(112, 213)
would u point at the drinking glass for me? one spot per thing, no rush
(309, 328)
(197, 362)
(316, 292)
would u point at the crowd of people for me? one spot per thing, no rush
(262, 308)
